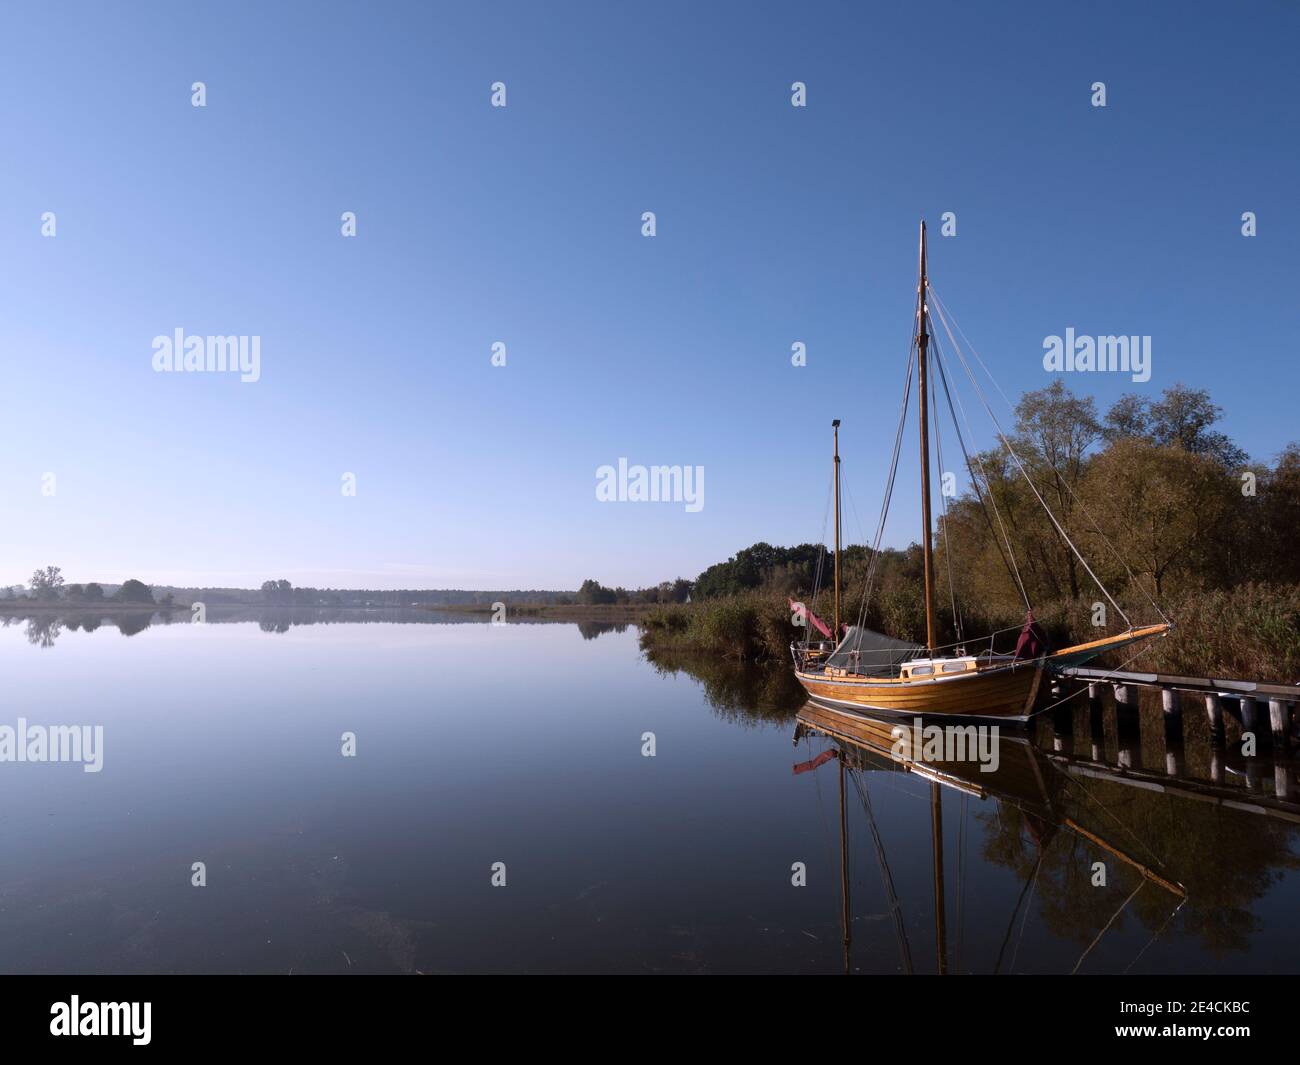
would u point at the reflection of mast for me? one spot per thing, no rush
(1019, 783)
(844, 872)
(886, 879)
(936, 836)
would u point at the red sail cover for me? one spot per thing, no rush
(1031, 643)
(817, 622)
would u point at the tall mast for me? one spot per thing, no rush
(922, 348)
(835, 425)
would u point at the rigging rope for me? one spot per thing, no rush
(1023, 472)
(943, 519)
(1123, 905)
(884, 505)
(1008, 556)
(900, 929)
(821, 559)
(1073, 496)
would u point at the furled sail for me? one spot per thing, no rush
(864, 650)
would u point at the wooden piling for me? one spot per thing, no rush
(1173, 718)
(1279, 721)
(1126, 709)
(1096, 721)
(1250, 717)
(1174, 760)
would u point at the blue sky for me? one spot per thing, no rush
(523, 225)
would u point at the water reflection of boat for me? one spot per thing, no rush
(858, 668)
(1021, 775)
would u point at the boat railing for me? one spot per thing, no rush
(884, 661)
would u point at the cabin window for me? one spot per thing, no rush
(954, 667)
(922, 671)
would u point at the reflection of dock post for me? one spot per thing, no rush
(1174, 757)
(1173, 721)
(1096, 730)
(1127, 718)
(1063, 726)
(1169, 703)
(1214, 717)
(1279, 720)
(1249, 716)
(1279, 779)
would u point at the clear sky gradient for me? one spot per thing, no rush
(523, 225)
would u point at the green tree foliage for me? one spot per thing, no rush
(1182, 418)
(1159, 501)
(277, 593)
(762, 566)
(1154, 485)
(593, 592)
(47, 583)
(133, 591)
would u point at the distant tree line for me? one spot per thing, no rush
(48, 586)
(282, 593)
(593, 593)
(1158, 500)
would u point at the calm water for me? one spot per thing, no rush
(522, 744)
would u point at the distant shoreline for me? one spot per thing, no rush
(628, 612)
(59, 606)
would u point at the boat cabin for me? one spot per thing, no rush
(931, 667)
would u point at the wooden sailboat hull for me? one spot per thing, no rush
(1003, 693)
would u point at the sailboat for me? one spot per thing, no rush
(859, 669)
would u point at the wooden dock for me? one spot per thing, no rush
(1242, 697)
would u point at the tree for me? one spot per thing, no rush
(1181, 418)
(47, 582)
(94, 592)
(1163, 505)
(1273, 534)
(279, 593)
(593, 592)
(1055, 430)
(133, 591)
(762, 565)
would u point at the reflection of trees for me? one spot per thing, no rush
(130, 624)
(1227, 859)
(44, 631)
(44, 627)
(591, 629)
(740, 693)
